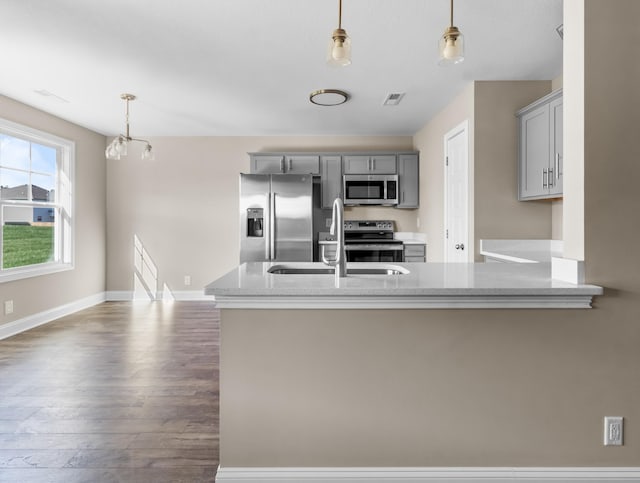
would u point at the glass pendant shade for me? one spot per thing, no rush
(339, 51)
(148, 154)
(121, 146)
(117, 148)
(451, 47)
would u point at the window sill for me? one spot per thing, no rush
(20, 273)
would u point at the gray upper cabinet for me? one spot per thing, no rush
(267, 164)
(408, 181)
(540, 150)
(331, 179)
(555, 111)
(285, 164)
(370, 164)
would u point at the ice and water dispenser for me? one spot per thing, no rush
(255, 222)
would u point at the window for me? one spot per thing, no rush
(36, 202)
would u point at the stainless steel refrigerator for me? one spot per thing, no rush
(276, 217)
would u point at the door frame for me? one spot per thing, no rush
(463, 127)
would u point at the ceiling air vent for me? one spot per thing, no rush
(393, 99)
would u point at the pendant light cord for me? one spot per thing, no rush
(340, 14)
(127, 119)
(451, 13)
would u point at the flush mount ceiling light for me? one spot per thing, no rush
(328, 97)
(118, 146)
(339, 53)
(451, 44)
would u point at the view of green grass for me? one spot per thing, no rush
(26, 245)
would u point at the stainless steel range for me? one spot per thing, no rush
(366, 241)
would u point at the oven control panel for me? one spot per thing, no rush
(368, 225)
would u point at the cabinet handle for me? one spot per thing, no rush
(282, 165)
(373, 164)
(290, 164)
(544, 178)
(369, 164)
(557, 165)
(460, 246)
(550, 182)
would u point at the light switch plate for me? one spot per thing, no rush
(8, 307)
(613, 430)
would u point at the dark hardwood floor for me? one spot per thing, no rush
(121, 392)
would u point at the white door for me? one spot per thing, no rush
(456, 194)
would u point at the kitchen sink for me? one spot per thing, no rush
(291, 269)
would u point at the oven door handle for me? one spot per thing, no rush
(372, 247)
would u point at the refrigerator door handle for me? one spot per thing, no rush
(267, 228)
(272, 227)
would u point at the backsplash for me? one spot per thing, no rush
(406, 220)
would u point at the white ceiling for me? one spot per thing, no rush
(246, 67)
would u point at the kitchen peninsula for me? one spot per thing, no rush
(313, 374)
(258, 285)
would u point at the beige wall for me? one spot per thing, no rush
(495, 212)
(38, 294)
(498, 213)
(427, 387)
(184, 206)
(429, 141)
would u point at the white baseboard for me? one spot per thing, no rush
(427, 475)
(31, 321)
(127, 295)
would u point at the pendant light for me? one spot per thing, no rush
(451, 45)
(118, 146)
(339, 52)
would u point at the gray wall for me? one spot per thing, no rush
(38, 294)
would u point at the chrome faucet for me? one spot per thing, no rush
(337, 229)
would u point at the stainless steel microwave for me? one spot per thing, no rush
(371, 189)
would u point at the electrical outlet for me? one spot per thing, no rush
(8, 307)
(613, 430)
(327, 222)
(187, 280)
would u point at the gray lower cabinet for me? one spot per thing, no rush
(408, 181)
(284, 164)
(540, 149)
(415, 252)
(370, 164)
(331, 174)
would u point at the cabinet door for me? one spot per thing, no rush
(415, 253)
(331, 180)
(385, 164)
(534, 153)
(356, 164)
(555, 131)
(408, 181)
(268, 164)
(370, 164)
(302, 164)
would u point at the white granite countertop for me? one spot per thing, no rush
(427, 285)
(411, 238)
(521, 251)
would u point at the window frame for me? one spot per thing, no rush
(63, 205)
